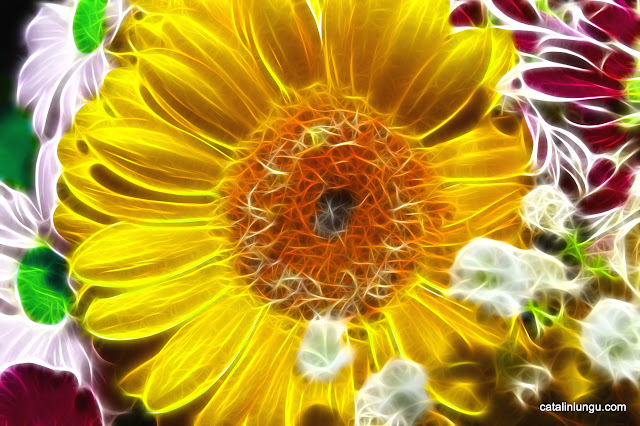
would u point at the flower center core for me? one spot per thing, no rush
(327, 207)
(332, 212)
(88, 24)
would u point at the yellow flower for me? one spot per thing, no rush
(254, 166)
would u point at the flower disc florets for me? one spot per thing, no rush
(329, 207)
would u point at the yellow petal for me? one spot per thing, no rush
(465, 385)
(125, 136)
(134, 382)
(285, 36)
(480, 179)
(127, 255)
(438, 333)
(72, 226)
(154, 309)
(217, 12)
(199, 76)
(446, 83)
(404, 60)
(490, 206)
(482, 155)
(137, 168)
(376, 340)
(335, 397)
(261, 373)
(112, 195)
(338, 396)
(374, 48)
(428, 327)
(201, 352)
(280, 395)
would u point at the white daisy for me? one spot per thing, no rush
(67, 60)
(34, 288)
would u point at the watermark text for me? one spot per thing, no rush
(566, 407)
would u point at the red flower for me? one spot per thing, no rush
(520, 10)
(572, 83)
(610, 20)
(612, 184)
(594, 123)
(468, 13)
(31, 394)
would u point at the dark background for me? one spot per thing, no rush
(18, 145)
(14, 18)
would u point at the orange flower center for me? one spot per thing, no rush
(329, 209)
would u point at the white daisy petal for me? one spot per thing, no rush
(48, 171)
(8, 273)
(19, 223)
(49, 26)
(59, 347)
(41, 74)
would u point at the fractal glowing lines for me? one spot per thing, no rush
(324, 212)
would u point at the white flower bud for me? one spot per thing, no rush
(323, 351)
(547, 209)
(611, 338)
(394, 396)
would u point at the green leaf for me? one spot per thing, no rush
(18, 149)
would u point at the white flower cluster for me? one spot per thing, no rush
(500, 277)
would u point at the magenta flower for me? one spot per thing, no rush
(34, 395)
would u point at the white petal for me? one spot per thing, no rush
(547, 272)
(48, 171)
(60, 347)
(57, 80)
(114, 14)
(323, 351)
(546, 208)
(8, 271)
(611, 338)
(19, 220)
(9, 304)
(527, 380)
(491, 273)
(625, 256)
(50, 26)
(39, 82)
(26, 341)
(395, 396)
